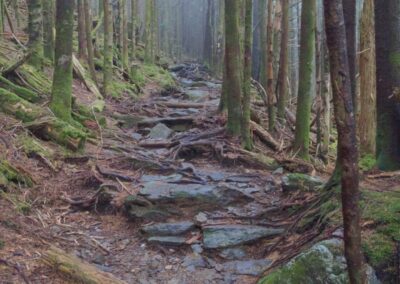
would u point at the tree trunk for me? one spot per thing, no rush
(108, 49)
(89, 42)
(81, 31)
(148, 31)
(387, 40)
(248, 42)
(306, 73)
(133, 37)
(347, 146)
(284, 60)
(17, 14)
(270, 67)
(367, 117)
(125, 50)
(62, 78)
(232, 57)
(48, 26)
(35, 32)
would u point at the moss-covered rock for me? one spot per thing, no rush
(324, 263)
(9, 174)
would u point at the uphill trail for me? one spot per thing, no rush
(164, 196)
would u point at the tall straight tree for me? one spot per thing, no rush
(283, 62)
(124, 31)
(232, 66)
(367, 114)
(347, 146)
(387, 39)
(81, 30)
(306, 73)
(62, 78)
(269, 65)
(35, 43)
(133, 38)
(89, 42)
(108, 48)
(248, 42)
(48, 25)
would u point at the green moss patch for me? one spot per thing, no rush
(367, 163)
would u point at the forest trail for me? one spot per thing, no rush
(164, 159)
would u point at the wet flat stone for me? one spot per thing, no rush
(168, 229)
(167, 240)
(160, 131)
(247, 267)
(233, 254)
(221, 236)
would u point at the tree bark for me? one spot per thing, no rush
(89, 42)
(124, 31)
(387, 39)
(270, 67)
(248, 42)
(367, 117)
(108, 48)
(62, 78)
(82, 48)
(306, 73)
(232, 65)
(283, 62)
(48, 26)
(35, 32)
(347, 146)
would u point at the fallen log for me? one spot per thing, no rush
(14, 66)
(81, 73)
(41, 121)
(264, 136)
(78, 270)
(20, 91)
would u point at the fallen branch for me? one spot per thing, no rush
(77, 269)
(81, 73)
(264, 136)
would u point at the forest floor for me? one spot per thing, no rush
(165, 158)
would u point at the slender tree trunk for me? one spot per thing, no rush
(147, 53)
(48, 26)
(35, 32)
(270, 67)
(108, 48)
(232, 57)
(284, 61)
(82, 48)
(62, 79)
(248, 42)
(125, 48)
(306, 73)
(17, 13)
(387, 40)
(133, 38)
(367, 117)
(347, 146)
(89, 42)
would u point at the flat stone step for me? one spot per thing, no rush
(168, 241)
(221, 236)
(168, 229)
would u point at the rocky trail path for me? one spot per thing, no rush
(167, 197)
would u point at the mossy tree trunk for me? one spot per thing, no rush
(48, 26)
(89, 42)
(232, 65)
(248, 42)
(62, 79)
(35, 32)
(108, 48)
(81, 31)
(387, 39)
(347, 144)
(16, 13)
(148, 32)
(367, 117)
(282, 89)
(133, 38)
(270, 66)
(306, 73)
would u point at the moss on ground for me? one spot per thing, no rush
(367, 163)
(379, 243)
(9, 174)
(31, 145)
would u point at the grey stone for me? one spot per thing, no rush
(303, 182)
(278, 171)
(171, 178)
(168, 229)
(248, 267)
(137, 136)
(233, 253)
(220, 236)
(216, 176)
(194, 261)
(160, 131)
(193, 193)
(196, 95)
(242, 178)
(167, 241)
(146, 213)
(197, 248)
(201, 217)
(322, 263)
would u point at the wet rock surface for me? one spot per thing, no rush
(160, 131)
(297, 181)
(168, 229)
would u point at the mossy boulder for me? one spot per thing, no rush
(324, 263)
(296, 181)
